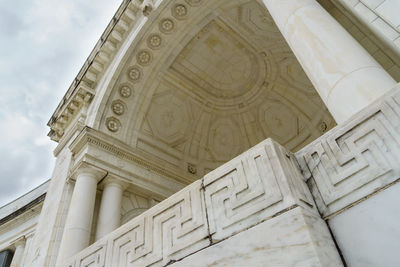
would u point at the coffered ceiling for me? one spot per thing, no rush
(207, 83)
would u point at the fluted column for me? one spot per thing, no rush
(110, 207)
(345, 75)
(78, 224)
(18, 253)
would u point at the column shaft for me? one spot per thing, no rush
(79, 220)
(345, 75)
(110, 209)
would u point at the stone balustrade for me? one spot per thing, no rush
(254, 187)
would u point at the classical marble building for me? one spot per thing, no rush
(224, 133)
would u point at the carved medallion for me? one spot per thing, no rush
(135, 74)
(144, 57)
(118, 107)
(166, 25)
(154, 41)
(113, 124)
(125, 91)
(179, 11)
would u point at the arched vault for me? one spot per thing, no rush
(194, 93)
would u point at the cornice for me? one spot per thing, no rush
(82, 89)
(24, 210)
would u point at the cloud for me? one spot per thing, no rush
(44, 44)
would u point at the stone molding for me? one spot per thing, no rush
(355, 159)
(256, 186)
(90, 139)
(82, 88)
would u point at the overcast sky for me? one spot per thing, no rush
(43, 44)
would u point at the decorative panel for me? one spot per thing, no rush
(357, 158)
(253, 187)
(170, 230)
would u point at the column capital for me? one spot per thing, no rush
(84, 168)
(113, 180)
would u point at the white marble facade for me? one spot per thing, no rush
(224, 133)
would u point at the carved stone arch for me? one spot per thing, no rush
(198, 82)
(128, 50)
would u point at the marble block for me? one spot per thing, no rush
(253, 187)
(294, 238)
(368, 234)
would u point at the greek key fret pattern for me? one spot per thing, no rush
(170, 230)
(92, 256)
(96, 258)
(252, 187)
(256, 186)
(357, 158)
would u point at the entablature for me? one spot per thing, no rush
(104, 152)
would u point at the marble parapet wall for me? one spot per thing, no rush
(258, 186)
(356, 159)
(353, 173)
